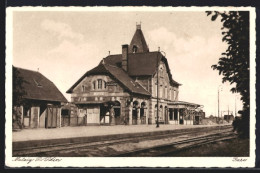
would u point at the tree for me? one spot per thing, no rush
(234, 63)
(18, 93)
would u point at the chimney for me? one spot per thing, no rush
(124, 56)
(138, 26)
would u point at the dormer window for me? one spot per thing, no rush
(134, 49)
(37, 83)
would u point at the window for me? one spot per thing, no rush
(155, 112)
(156, 90)
(99, 84)
(94, 85)
(105, 84)
(134, 49)
(83, 88)
(26, 112)
(165, 92)
(161, 91)
(170, 93)
(161, 71)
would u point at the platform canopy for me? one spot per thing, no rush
(182, 105)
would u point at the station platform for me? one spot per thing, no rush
(92, 131)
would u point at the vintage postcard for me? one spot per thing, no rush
(130, 87)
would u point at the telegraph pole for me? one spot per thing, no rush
(157, 121)
(218, 102)
(158, 63)
(218, 106)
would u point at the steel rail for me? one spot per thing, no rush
(42, 150)
(173, 147)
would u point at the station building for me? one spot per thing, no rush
(122, 89)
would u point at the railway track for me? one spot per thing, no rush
(105, 147)
(169, 149)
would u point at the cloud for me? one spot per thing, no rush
(161, 36)
(190, 59)
(77, 54)
(62, 30)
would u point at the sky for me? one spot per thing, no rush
(63, 45)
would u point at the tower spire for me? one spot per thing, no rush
(138, 43)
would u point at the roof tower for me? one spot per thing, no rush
(138, 43)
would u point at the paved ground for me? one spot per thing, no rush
(85, 131)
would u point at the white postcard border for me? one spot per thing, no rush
(127, 161)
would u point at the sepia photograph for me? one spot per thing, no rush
(130, 86)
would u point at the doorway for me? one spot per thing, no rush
(51, 117)
(181, 119)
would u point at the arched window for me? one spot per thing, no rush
(142, 109)
(161, 113)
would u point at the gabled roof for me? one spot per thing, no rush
(38, 87)
(126, 80)
(141, 64)
(139, 41)
(116, 72)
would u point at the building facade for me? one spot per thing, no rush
(124, 88)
